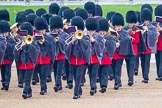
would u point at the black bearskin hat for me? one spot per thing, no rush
(91, 23)
(146, 15)
(82, 13)
(54, 8)
(40, 12)
(138, 13)
(55, 22)
(68, 14)
(102, 25)
(109, 15)
(90, 7)
(158, 10)
(46, 16)
(131, 17)
(117, 19)
(28, 11)
(40, 24)
(78, 21)
(4, 15)
(28, 27)
(98, 10)
(61, 11)
(148, 6)
(30, 18)
(4, 26)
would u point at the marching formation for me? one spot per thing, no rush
(72, 43)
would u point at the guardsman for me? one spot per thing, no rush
(97, 43)
(158, 55)
(131, 19)
(8, 56)
(45, 57)
(56, 27)
(150, 37)
(26, 54)
(109, 48)
(124, 48)
(78, 54)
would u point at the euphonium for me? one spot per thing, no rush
(14, 30)
(79, 34)
(29, 39)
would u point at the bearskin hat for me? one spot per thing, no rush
(158, 10)
(40, 12)
(118, 19)
(98, 10)
(54, 8)
(4, 15)
(56, 22)
(4, 26)
(68, 14)
(82, 13)
(28, 27)
(131, 17)
(90, 7)
(102, 25)
(40, 23)
(146, 15)
(91, 23)
(78, 21)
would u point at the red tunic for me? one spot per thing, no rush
(148, 51)
(159, 43)
(5, 61)
(117, 56)
(94, 59)
(60, 56)
(41, 60)
(135, 41)
(77, 61)
(106, 60)
(28, 66)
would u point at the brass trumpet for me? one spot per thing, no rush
(28, 39)
(14, 30)
(78, 34)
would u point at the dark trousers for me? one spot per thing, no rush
(42, 70)
(49, 70)
(6, 74)
(130, 62)
(84, 74)
(145, 64)
(27, 74)
(70, 76)
(110, 72)
(58, 68)
(158, 57)
(116, 66)
(17, 72)
(93, 71)
(103, 75)
(77, 70)
(66, 70)
(136, 66)
(35, 75)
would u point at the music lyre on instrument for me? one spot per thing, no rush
(39, 37)
(159, 20)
